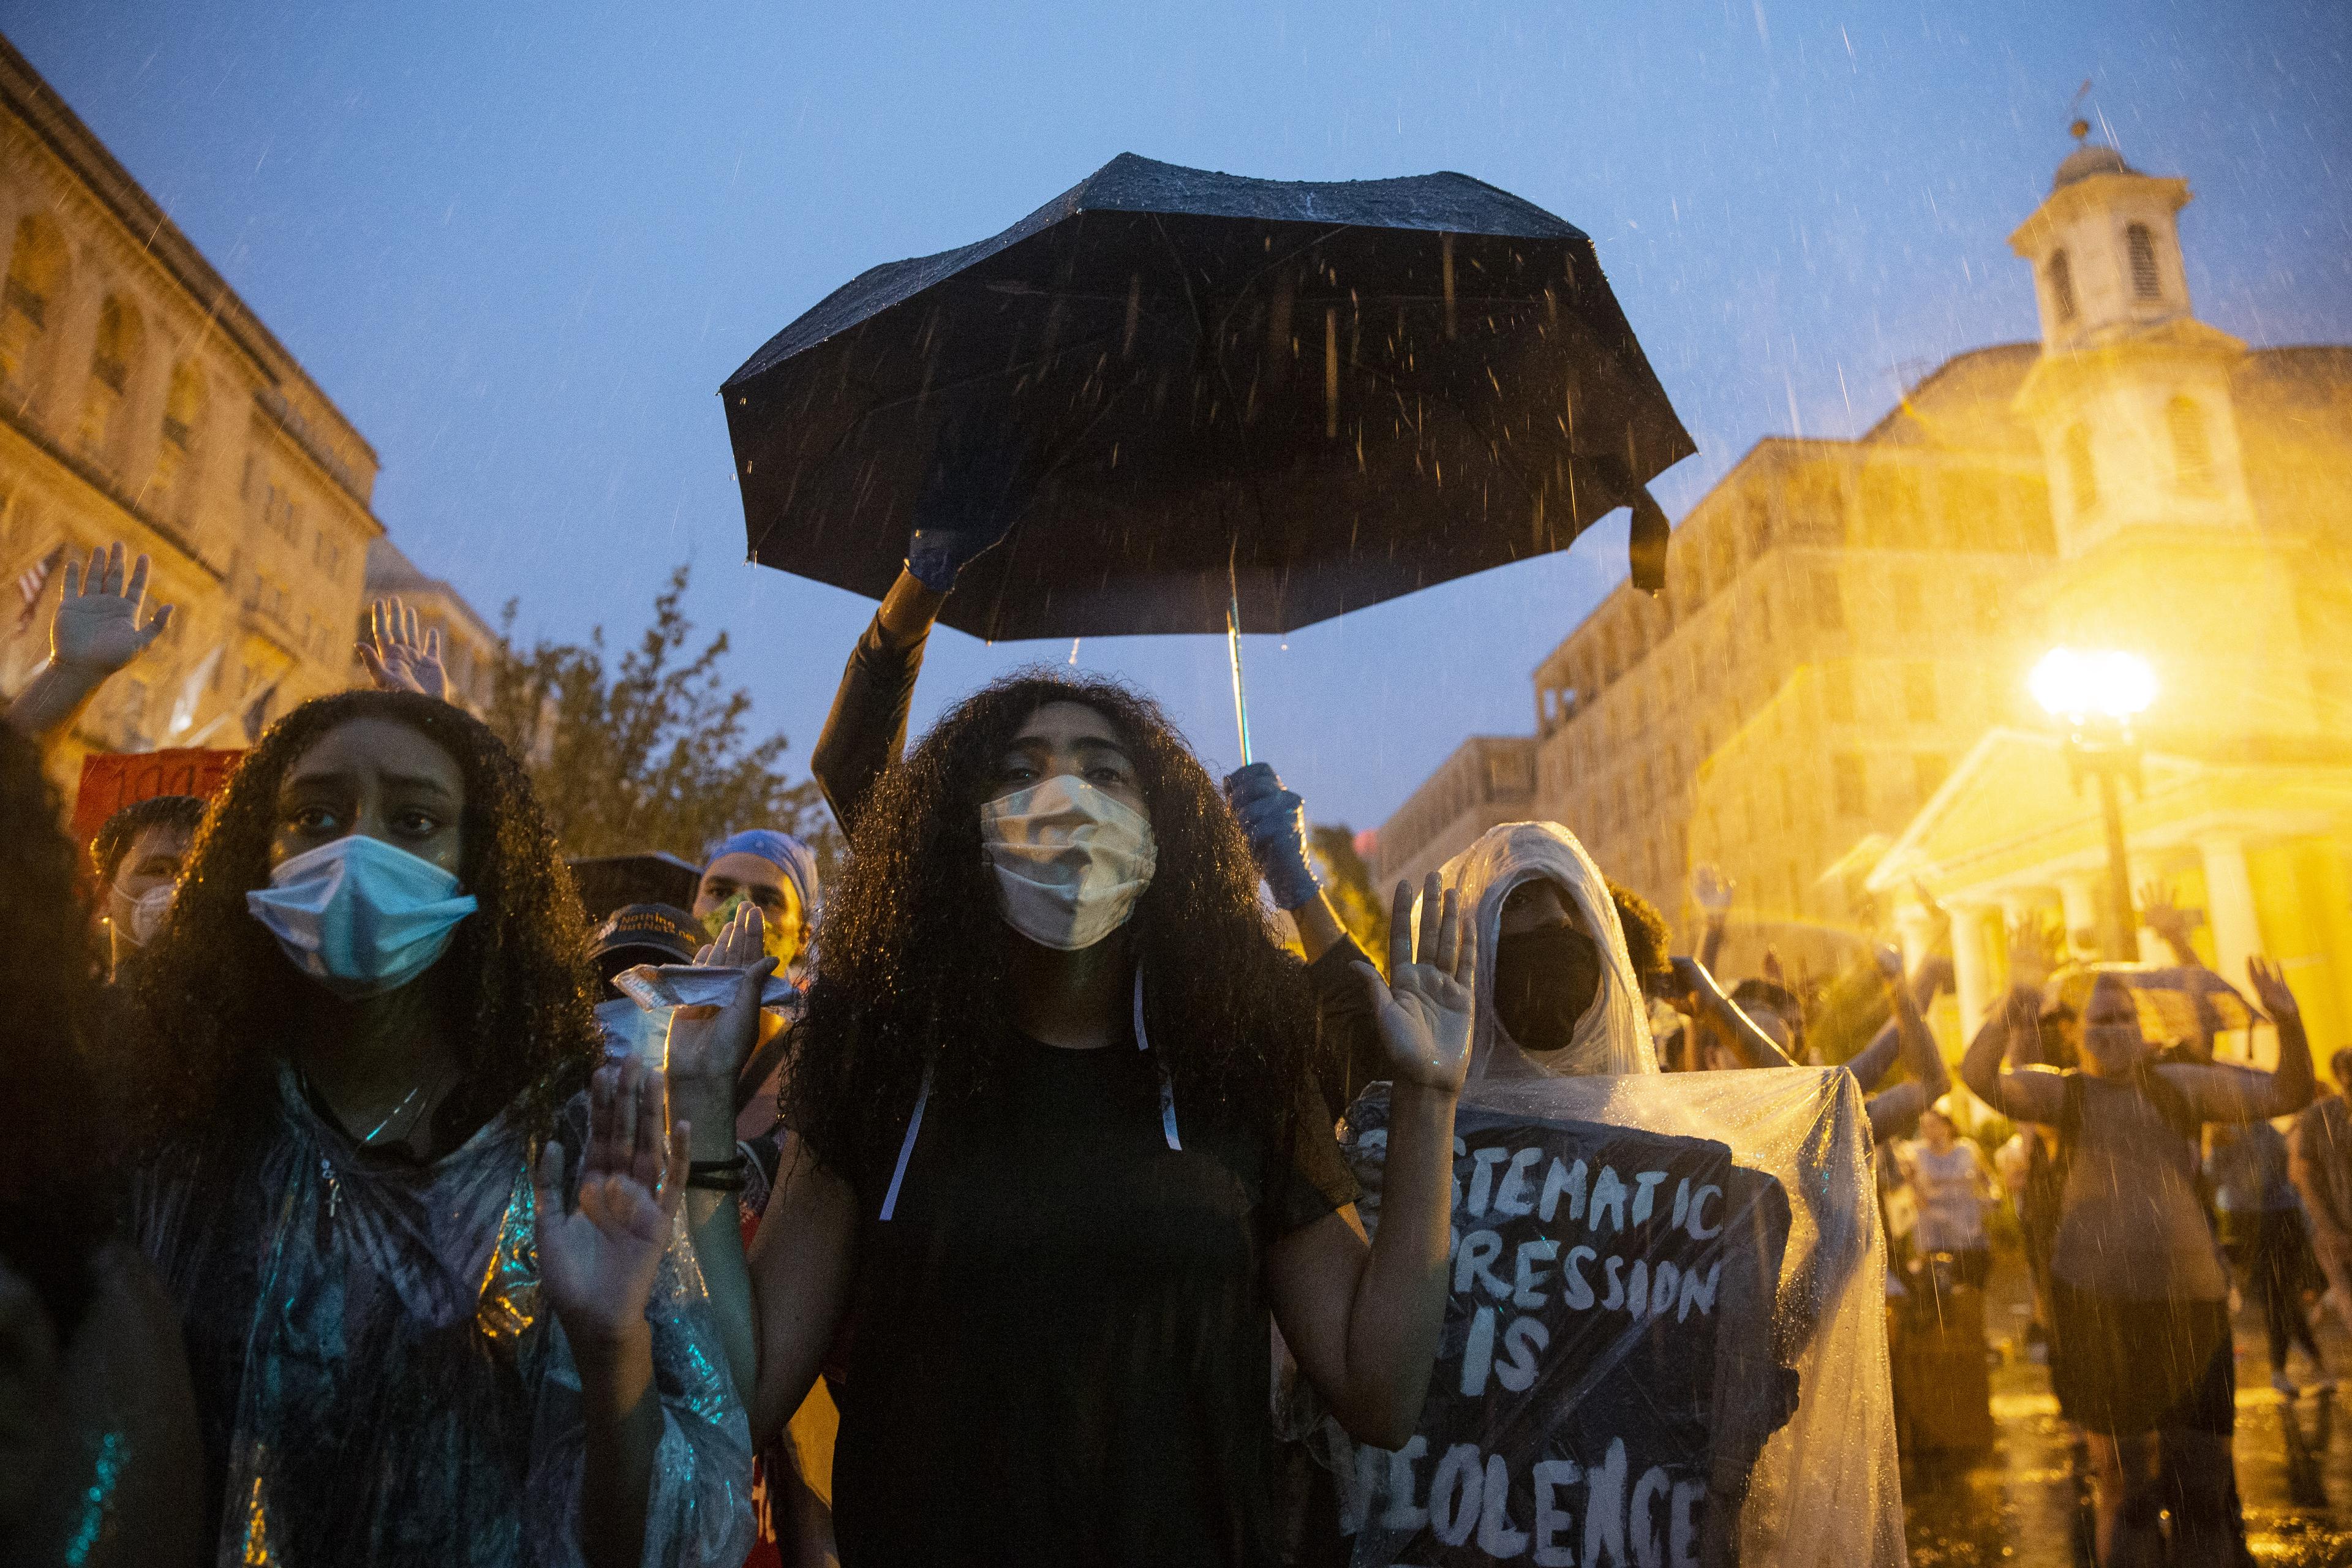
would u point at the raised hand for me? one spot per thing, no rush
(397, 658)
(597, 1260)
(1889, 960)
(97, 629)
(1422, 1008)
(1274, 820)
(2033, 949)
(708, 1045)
(2272, 990)
(1712, 890)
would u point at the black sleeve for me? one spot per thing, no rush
(867, 730)
(1348, 1053)
(1315, 1179)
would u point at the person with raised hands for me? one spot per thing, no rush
(98, 629)
(2141, 1356)
(366, 1035)
(1058, 1157)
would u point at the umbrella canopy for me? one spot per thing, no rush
(1320, 395)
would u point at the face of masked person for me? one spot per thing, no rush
(149, 875)
(363, 893)
(733, 880)
(1547, 969)
(1069, 838)
(2112, 1044)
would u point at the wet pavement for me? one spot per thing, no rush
(2017, 1504)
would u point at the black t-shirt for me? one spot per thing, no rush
(1061, 1352)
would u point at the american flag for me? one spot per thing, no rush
(31, 581)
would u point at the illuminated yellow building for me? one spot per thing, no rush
(1829, 699)
(2204, 507)
(141, 400)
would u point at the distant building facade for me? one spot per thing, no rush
(1846, 623)
(141, 400)
(1488, 780)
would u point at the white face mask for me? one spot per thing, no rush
(138, 919)
(1070, 861)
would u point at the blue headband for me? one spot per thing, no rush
(795, 859)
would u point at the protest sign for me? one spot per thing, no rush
(112, 780)
(1631, 1318)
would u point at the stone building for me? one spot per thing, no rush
(141, 400)
(1836, 668)
(1489, 780)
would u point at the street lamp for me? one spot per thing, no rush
(2098, 694)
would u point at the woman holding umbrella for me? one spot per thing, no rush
(1058, 1156)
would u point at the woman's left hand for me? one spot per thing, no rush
(1423, 1009)
(598, 1260)
(2272, 990)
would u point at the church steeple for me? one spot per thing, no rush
(2105, 247)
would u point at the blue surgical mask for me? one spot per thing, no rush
(359, 916)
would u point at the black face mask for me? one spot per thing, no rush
(1545, 979)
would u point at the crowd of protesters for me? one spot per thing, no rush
(359, 1205)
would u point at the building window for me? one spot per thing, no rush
(1829, 601)
(2192, 453)
(36, 270)
(2146, 283)
(1837, 692)
(1928, 771)
(2081, 473)
(1919, 693)
(1846, 783)
(2061, 285)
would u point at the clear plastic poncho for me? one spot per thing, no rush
(376, 1369)
(1613, 1036)
(1665, 1340)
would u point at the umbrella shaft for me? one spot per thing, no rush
(1234, 651)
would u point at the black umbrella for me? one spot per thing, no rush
(1241, 405)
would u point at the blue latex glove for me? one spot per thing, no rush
(1274, 820)
(977, 487)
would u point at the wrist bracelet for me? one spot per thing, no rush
(727, 1175)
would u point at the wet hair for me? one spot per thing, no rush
(1649, 941)
(120, 831)
(1756, 991)
(916, 956)
(62, 1136)
(212, 994)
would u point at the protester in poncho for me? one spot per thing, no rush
(364, 1029)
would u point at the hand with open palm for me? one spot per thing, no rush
(1422, 1008)
(598, 1259)
(98, 627)
(397, 657)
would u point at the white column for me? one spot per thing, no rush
(2230, 905)
(1971, 982)
(1912, 927)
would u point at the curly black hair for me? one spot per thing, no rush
(63, 1135)
(915, 957)
(119, 832)
(516, 985)
(1649, 941)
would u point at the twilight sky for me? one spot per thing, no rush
(521, 244)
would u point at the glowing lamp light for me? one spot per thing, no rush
(2071, 683)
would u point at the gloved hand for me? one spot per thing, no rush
(978, 485)
(1274, 820)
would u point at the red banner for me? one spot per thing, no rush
(112, 780)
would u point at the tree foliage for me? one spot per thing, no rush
(1348, 883)
(650, 751)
